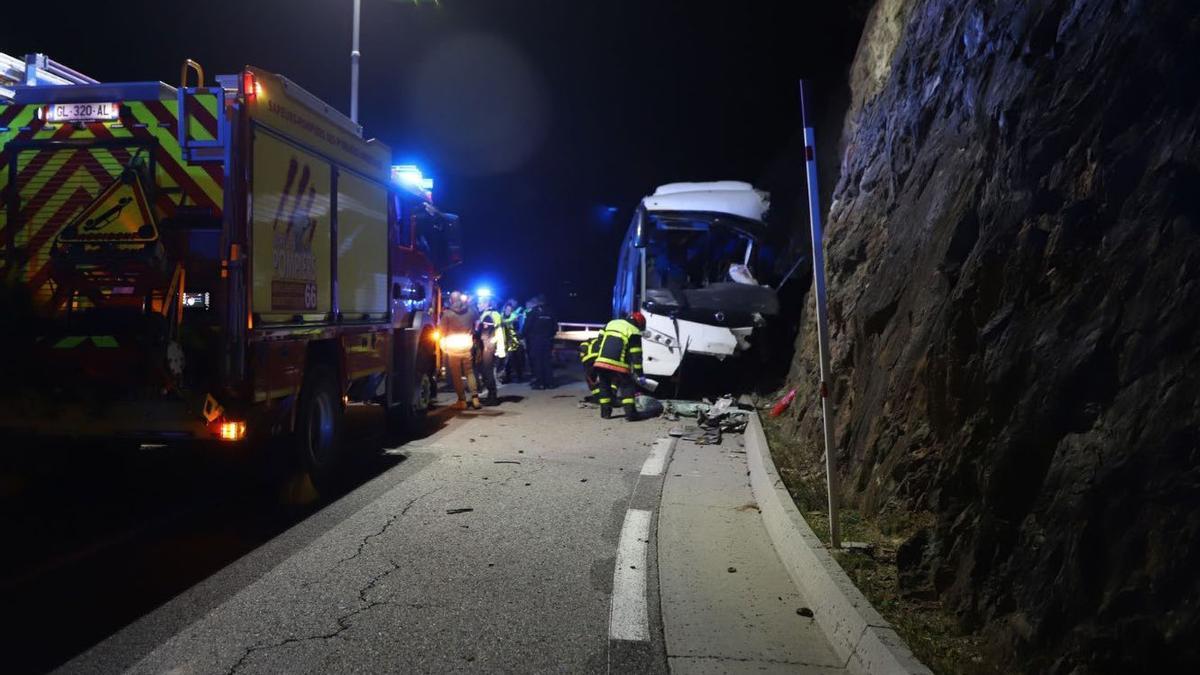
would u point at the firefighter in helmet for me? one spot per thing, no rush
(619, 363)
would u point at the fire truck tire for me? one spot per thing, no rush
(410, 417)
(319, 426)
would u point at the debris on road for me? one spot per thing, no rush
(804, 611)
(725, 415)
(732, 570)
(648, 407)
(674, 409)
(505, 461)
(697, 435)
(451, 512)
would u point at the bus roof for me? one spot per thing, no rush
(732, 197)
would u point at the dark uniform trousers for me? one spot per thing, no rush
(619, 387)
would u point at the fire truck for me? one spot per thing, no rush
(223, 262)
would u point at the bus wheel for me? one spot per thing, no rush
(319, 426)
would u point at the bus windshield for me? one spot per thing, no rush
(688, 253)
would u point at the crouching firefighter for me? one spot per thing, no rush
(619, 363)
(588, 351)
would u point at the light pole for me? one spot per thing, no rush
(355, 54)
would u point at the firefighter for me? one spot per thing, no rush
(457, 325)
(588, 351)
(619, 363)
(490, 346)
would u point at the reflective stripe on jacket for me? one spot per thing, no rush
(589, 350)
(620, 347)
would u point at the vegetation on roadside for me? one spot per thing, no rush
(930, 630)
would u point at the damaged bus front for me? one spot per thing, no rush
(687, 262)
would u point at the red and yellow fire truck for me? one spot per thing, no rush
(222, 262)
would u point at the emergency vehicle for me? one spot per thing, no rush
(223, 262)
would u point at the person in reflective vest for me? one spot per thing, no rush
(588, 351)
(490, 329)
(619, 364)
(514, 363)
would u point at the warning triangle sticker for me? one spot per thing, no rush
(119, 214)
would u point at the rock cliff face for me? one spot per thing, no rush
(1014, 274)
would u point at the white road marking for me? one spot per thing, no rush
(629, 618)
(656, 463)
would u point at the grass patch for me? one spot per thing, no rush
(929, 628)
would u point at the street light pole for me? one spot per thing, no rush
(354, 54)
(818, 260)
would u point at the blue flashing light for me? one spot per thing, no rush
(483, 292)
(410, 176)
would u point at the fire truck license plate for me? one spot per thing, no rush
(78, 112)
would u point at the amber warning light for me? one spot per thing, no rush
(233, 431)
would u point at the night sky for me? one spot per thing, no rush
(533, 116)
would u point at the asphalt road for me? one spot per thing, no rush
(488, 545)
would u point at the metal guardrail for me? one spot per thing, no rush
(577, 332)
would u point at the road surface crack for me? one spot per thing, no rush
(342, 621)
(362, 545)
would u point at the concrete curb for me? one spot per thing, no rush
(857, 632)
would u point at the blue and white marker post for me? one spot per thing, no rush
(818, 260)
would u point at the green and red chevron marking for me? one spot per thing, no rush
(53, 185)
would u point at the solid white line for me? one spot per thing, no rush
(629, 619)
(656, 463)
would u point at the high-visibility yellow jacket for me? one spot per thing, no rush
(589, 350)
(620, 347)
(491, 329)
(512, 330)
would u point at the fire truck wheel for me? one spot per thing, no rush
(319, 425)
(426, 388)
(411, 417)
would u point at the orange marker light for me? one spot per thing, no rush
(233, 431)
(250, 86)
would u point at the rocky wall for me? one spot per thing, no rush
(1014, 293)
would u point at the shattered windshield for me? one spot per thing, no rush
(684, 253)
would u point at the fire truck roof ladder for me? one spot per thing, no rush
(36, 70)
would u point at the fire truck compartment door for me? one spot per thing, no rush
(362, 247)
(291, 232)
